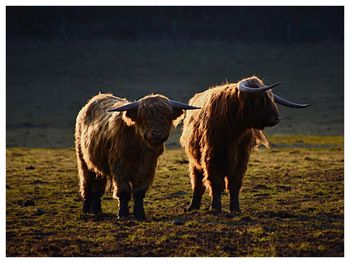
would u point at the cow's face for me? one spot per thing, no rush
(153, 119)
(258, 109)
(264, 112)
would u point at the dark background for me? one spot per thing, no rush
(59, 57)
(229, 24)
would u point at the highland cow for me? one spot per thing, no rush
(218, 139)
(120, 142)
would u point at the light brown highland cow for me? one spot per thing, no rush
(218, 139)
(120, 142)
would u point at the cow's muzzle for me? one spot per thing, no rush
(273, 121)
(157, 138)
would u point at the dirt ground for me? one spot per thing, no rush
(292, 204)
(47, 82)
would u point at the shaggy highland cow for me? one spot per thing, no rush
(218, 139)
(120, 142)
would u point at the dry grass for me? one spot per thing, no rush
(292, 205)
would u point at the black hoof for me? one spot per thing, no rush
(140, 218)
(92, 205)
(122, 216)
(86, 206)
(123, 213)
(235, 211)
(194, 205)
(215, 211)
(234, 208)
(140, 214)
(95, 206)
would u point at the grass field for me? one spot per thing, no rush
(292, 204)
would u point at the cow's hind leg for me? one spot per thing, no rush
(84, 181)
(91, 186)
(83, 174)
(98, 186)
(216, 190)
(198, 188)
(216, 183)
(92, 189)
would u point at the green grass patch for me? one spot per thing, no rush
(300, 140)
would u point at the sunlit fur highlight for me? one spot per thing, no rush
(219, 138)
(111, 146)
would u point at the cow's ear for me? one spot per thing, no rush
(130, 117)
(177, 115)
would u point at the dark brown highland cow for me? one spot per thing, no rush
(219, 138)
(120, 142)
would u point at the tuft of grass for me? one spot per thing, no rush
(292, 203)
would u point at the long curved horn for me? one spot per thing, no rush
(180, 105)
(242, 87)
(287, 103)
(126, 107)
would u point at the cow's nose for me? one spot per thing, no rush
(156, 133)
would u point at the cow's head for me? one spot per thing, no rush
(153, 116)
(259, 103)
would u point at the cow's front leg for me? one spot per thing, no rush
(216, 201)
(139, 211)
(124, 198)
(234, 201)
(86, 204)
(235, 180)
(234, 186)
(92, 203)
(123, 194)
